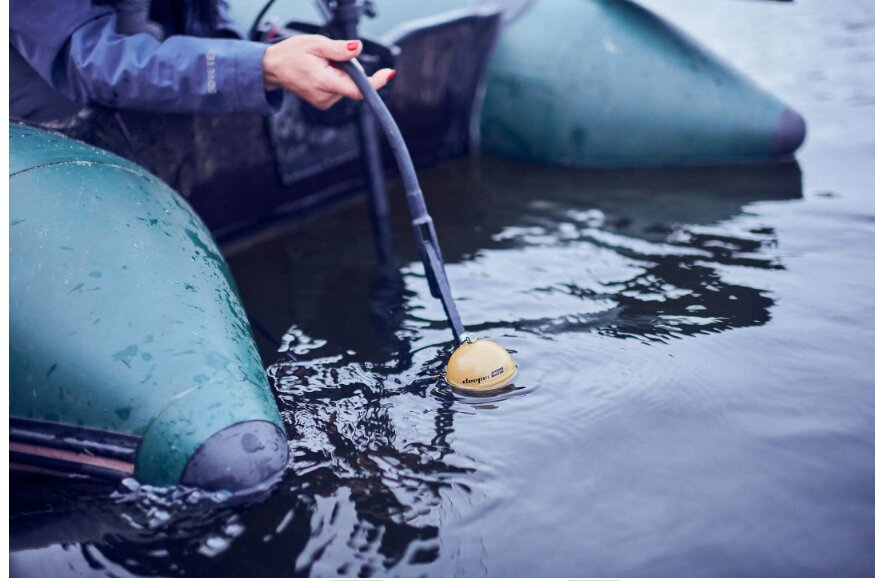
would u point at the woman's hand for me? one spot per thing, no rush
(304, 65)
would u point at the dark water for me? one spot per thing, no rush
(696, 388)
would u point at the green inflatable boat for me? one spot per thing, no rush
(130, 352)
(613, 85)
(581, 83)
(597, 83)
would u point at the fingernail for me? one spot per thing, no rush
(391, 74)
(351, 46)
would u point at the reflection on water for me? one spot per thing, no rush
(621, 253)
(644, 241)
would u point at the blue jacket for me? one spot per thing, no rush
(73, 45)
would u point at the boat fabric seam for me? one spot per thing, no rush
(181, 395)
(172, 400)
(86, 162)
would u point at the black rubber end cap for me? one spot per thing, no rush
(789, 134)
(240, 457)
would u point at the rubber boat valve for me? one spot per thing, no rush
(476, 365)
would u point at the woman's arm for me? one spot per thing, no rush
(73, 45)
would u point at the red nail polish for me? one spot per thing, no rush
(351, 46)
(391, 74)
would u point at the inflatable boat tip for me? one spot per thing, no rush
(789, 134)
(238, 458)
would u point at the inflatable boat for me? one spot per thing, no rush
(598, 83)
(613, 85)
(130, 354)
(579, 83)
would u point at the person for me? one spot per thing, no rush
(163, 56)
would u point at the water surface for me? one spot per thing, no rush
(696, 392)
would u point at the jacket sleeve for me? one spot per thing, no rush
(73, 45)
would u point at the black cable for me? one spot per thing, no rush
(423, 226)
(393, 135)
